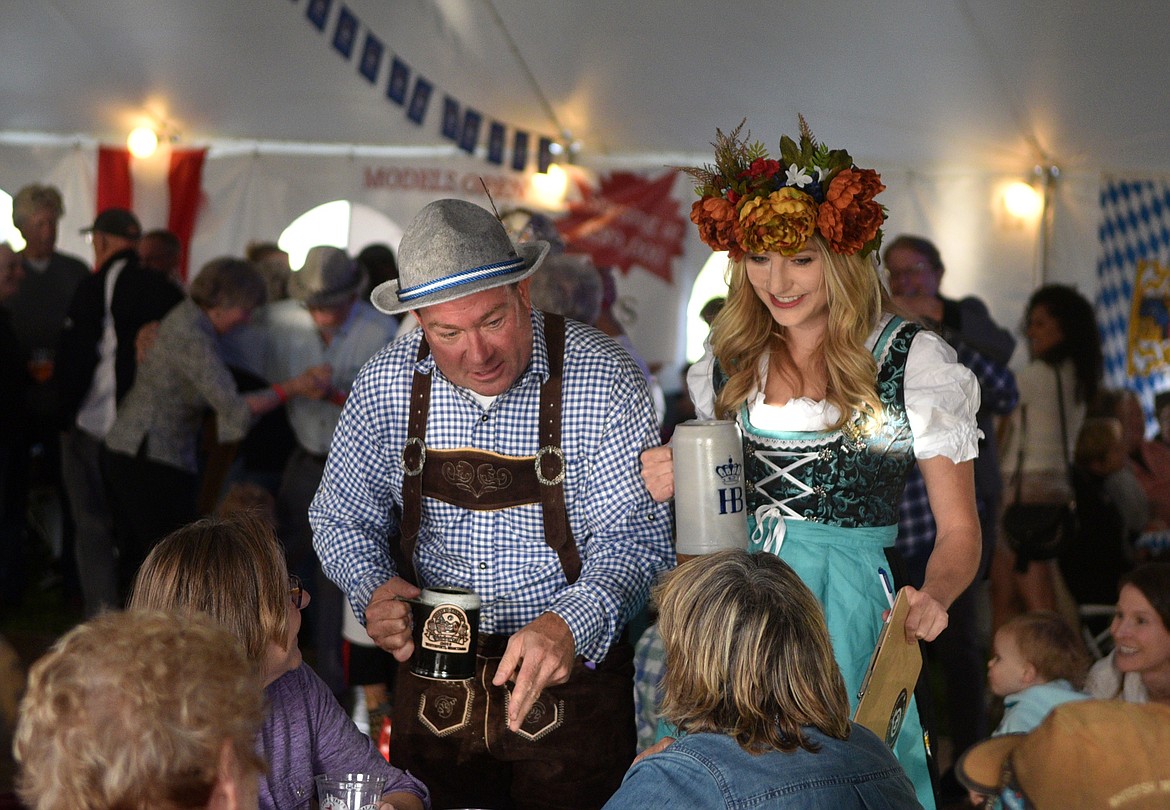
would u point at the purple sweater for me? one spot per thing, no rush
(306, 733)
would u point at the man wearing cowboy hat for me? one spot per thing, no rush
(496, 448)
(322, 324)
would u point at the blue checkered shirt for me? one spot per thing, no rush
(624, 537)
(649, 670)
(998, 394)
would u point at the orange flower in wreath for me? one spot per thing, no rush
(718, 223)
(781, 222)
(849, 217)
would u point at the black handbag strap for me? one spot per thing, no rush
(1063, 421)
(1019, 476)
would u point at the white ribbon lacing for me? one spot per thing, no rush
(770, 528)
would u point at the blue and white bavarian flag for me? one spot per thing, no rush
(1133, 273)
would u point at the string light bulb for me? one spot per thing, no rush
(550, 187)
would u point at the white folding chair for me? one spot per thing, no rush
(1099, 642)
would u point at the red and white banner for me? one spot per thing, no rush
(115, 185)
(163, 191)
(185, 181)
(628, 220)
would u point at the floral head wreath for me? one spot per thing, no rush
(750, 203)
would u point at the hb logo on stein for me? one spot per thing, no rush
(731, 494)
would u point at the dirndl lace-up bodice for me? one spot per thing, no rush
(849, 477)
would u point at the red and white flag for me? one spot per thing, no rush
(162, 191)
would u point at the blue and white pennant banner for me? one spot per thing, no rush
(460, 122)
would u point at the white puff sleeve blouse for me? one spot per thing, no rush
(942, 397)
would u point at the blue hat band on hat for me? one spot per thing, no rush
(464, 277)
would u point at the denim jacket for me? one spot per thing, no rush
(711, 770)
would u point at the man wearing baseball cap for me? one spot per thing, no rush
(115, 222)
(496, 448)
(96, 364)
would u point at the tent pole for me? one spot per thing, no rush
(1051, 171)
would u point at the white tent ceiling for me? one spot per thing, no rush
(995, 84)
(948, 99)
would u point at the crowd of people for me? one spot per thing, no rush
(509, 440)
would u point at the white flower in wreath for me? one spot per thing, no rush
(796, 176)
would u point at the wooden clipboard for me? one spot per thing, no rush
(890, 678)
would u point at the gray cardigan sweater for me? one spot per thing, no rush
(181, 378)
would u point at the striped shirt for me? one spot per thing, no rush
(624, 537)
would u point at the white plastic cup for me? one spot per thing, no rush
(350, 791)
(709, 478)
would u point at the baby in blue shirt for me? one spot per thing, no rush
(1038, 662)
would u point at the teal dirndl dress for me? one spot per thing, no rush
(826, 502)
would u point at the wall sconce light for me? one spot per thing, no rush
(1022, 200)
(142, 142)
(1029, 200)
(1030, 203)
(151, 128)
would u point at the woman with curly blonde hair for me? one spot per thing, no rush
(836, 396)
(141, 710)
(745, 332)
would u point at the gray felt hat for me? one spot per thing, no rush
(327, 278)
(453, 249)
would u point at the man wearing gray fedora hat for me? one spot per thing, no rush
(496, 449)
(323, 323)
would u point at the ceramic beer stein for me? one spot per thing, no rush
(446, 631)
(709, 487)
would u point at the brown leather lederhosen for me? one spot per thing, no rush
(481, 480)
(578, 739)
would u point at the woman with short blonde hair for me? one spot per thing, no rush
(232, 569)
(748, 654)
(752, 683)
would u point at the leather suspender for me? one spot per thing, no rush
(550, 459)
(414, 456)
